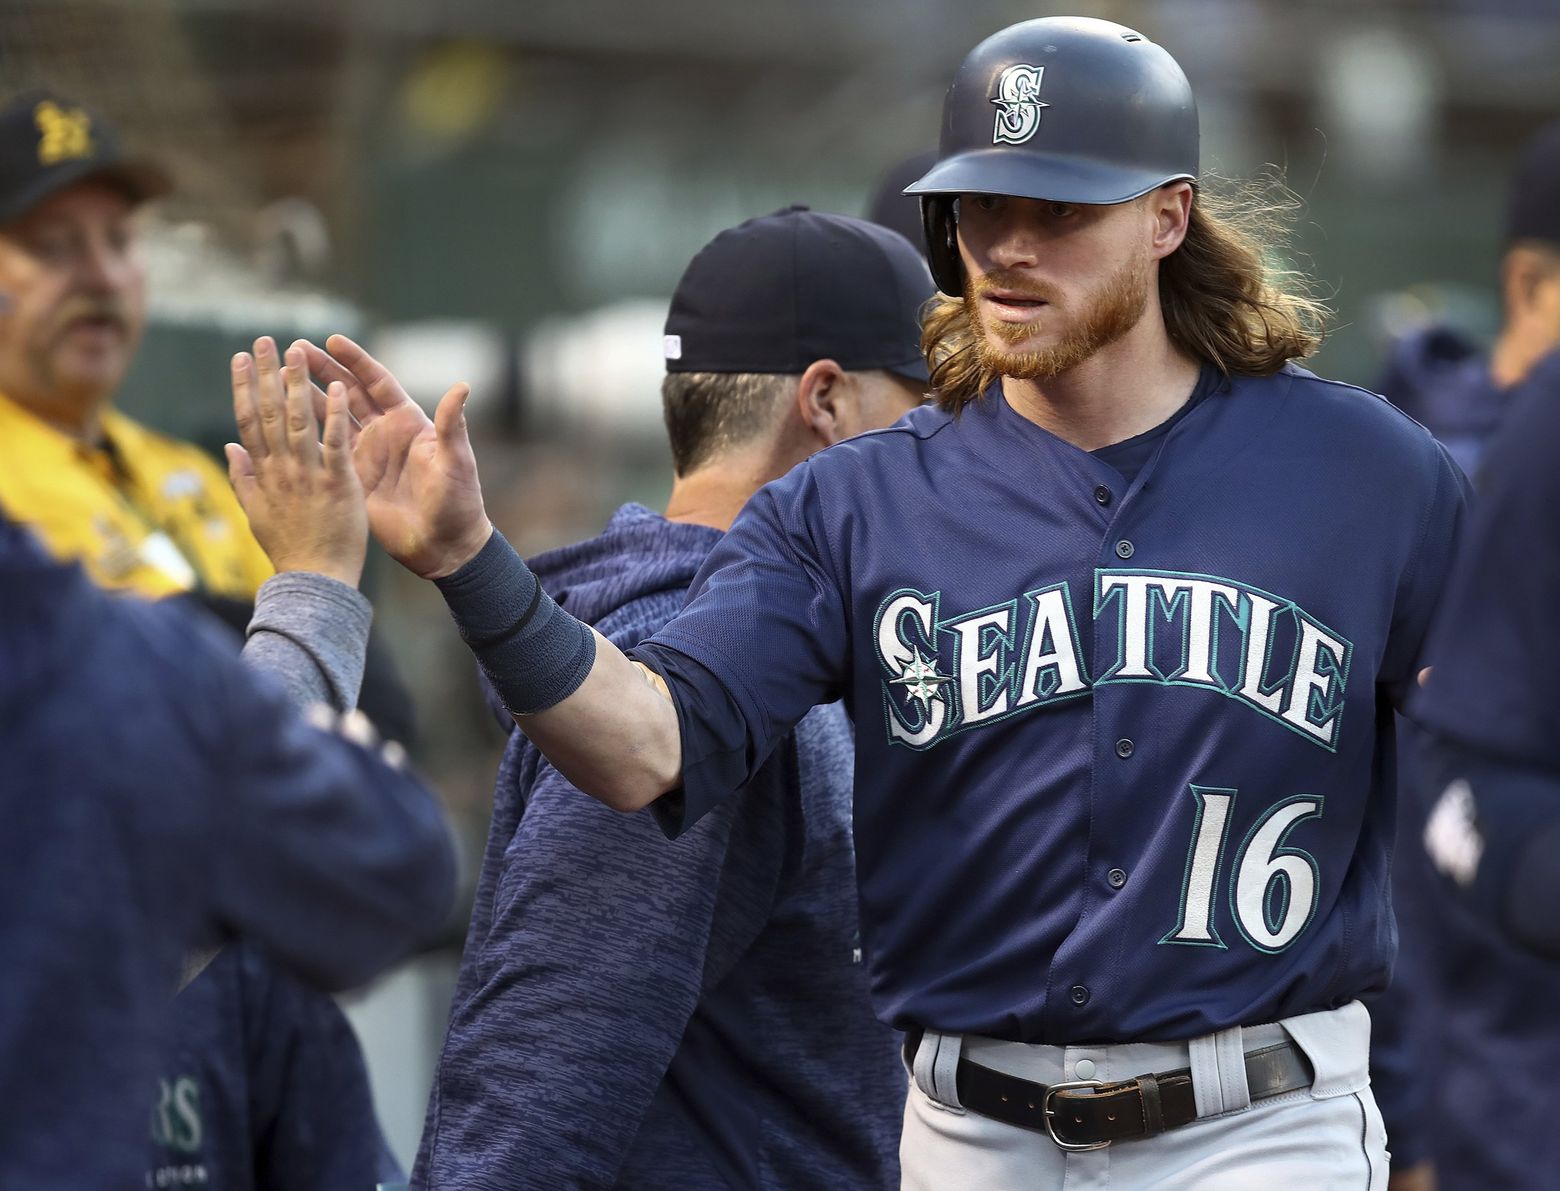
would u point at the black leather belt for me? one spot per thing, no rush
(1087, 1114)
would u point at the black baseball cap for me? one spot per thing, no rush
(48, 142)
(1534, 210)
(778, 292)
(892, 207)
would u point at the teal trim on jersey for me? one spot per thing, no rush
(891, 712)
(1279, 879)
(1032, 598)
(987, 685)
(1317, 713)
(1243, 622)
(956, 722)
(1167, 606)
(1320, 711)
(1216, 941)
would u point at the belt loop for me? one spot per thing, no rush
(1218, 1063)
(1153, 1111)
(912, 1044)
(936, 1067)
(945, 1071)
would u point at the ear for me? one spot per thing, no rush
(821, 400)
(1171, 208)
(1521, 275)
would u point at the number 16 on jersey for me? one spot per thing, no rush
(1272, 888)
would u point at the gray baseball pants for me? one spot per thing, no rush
(1329, 1136)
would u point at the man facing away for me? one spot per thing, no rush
(1119, 622)
(160, 797)
(256, 1057)
(715, 987)
(1470, 1013)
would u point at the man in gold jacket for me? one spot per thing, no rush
(140, 511)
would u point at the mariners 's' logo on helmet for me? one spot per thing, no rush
(1018, 104)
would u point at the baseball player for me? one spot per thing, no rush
(160, 796)
(1494, 829)
(715, 987)
(1120, 623)
(1468, 1013)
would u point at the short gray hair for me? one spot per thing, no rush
(710, 412)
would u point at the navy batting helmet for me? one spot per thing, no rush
(1067, 109)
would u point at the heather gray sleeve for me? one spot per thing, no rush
(311, 633)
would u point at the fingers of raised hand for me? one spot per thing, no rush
(339, 431)
(385, 390)
(449, 419)
(241, 471)
(302, 430)
(270, 396)
(325, 366)
(245, 413)
(317, 402)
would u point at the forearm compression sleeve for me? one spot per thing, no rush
(534, 653)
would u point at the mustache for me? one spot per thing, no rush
(108, 309)
(1010, 281)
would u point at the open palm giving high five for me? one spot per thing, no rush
(419, 474)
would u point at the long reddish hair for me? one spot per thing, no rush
(1224, 296)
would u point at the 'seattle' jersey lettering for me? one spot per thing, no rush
(1124, 752)
(1184, 630)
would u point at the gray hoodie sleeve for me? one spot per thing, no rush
(311, 632)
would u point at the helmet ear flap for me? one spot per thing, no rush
(942, 242)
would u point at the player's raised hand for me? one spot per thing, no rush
(301, 494)
(419, 474)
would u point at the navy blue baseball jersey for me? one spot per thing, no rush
(159, 795)
(262, 1087)
(1469, 1017)
(1492, 688)
(1125, 760)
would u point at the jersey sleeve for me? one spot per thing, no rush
(1424, 582)
(1494, 834)
(310, 632)
(1496, 644)
(763, 640)
(601, 941)
(336, 860)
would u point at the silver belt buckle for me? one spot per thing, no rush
(1048, 1112)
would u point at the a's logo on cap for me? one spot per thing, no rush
(671, 347)
(1018, 104)
(64, 134)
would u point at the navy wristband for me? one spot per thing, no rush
(533, 652)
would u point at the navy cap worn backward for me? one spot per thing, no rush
(1069, 109)
(49, 142)
(778, 292)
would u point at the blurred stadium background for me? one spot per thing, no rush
(506, 192)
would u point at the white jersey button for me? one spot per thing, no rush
(1084, 1069)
